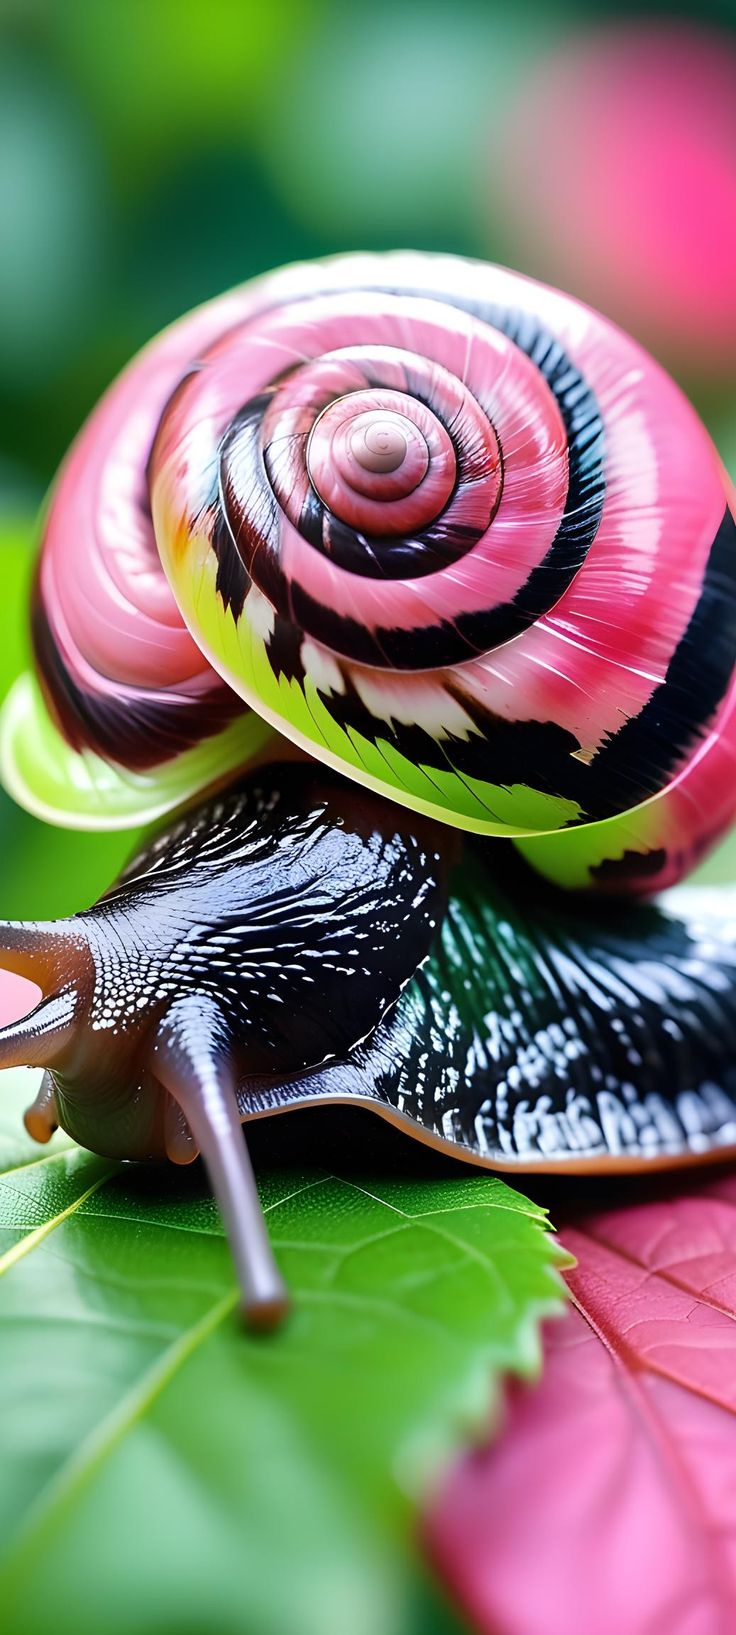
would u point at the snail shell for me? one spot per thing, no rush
(447, 530)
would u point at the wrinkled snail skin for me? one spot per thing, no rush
(296, 941)
(524, 623)
(374, 575)
(265, 933)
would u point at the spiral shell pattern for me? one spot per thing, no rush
(443, 527)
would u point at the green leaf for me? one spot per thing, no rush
(162, 1471)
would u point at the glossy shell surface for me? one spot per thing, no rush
(444, 528)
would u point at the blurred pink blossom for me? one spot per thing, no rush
(16, 997)
(619, 180)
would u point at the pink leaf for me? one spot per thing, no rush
(609, 1505)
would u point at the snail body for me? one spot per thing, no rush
(432, 528)
(294, 941)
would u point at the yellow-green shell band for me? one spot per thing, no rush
(79, 790)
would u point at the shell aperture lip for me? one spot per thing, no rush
(79, 789)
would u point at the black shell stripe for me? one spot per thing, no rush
(137, 728)
(681, 708)
(542, 754)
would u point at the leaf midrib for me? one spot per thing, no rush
(656, 1433)
(71, 1477)
(101, 1442)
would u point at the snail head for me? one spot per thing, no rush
(260, 935)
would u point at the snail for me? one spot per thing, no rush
(399, 589)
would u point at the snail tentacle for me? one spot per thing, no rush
(40, 1118)
(40, 1038)
(190, 1058)
(50, 953)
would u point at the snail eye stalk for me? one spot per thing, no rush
(57, 958)
(190, 1058)
(38, 1038)
(49, 953)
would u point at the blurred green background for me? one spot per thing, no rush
(156, 151)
